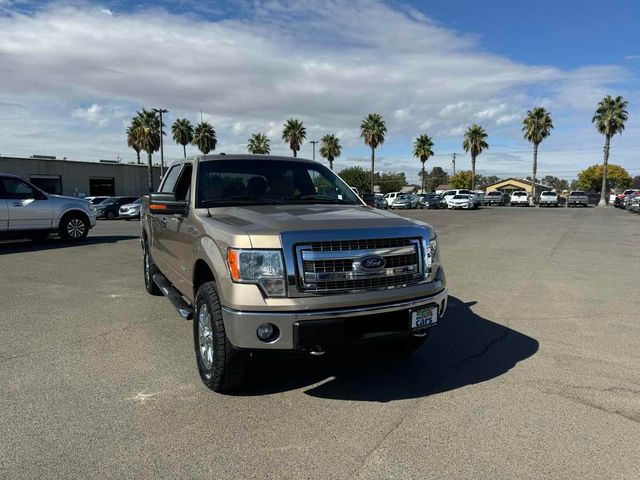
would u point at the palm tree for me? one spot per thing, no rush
(182, 132)
(294, 134)
(536, 126)
(475, 141)
(373, 129)
(146, 126)
(609, 120)
(422, 149)
(330, 148)
(204, 137)
(132, 140)
(259, 144)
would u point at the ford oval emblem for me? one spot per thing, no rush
(372, 262)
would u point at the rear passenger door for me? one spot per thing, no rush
(159, 221)
(180, 235)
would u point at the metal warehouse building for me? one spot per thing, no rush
(83, 179)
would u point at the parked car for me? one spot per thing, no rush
(464, 201)
(449, 194)
(496, 197)
(375, 200)
(246, 247)
(548, 199)
(130, 210)
(110, 208)
(520, 197)
(628, 199)
(577, 198)
(93, 201)
(391, 197)
(619, 199)
(27, 211)
(405, 201)
(635, 204)
(430, 200)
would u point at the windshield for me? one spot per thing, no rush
(109, 201)
(573, 194)
(264, 182)
(550, 194)
(494, 194)
(461, 197)
(404, 197)
(520, 194)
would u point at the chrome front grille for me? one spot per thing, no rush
(339, 266)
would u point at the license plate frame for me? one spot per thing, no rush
(423, 317)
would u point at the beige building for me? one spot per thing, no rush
(511, 185)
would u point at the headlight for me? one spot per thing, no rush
(431, 258)
(260, 267)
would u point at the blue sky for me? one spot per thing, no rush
(428, 67)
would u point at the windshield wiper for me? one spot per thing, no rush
(241, 200)
(318, 199)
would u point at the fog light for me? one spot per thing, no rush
(267, 331)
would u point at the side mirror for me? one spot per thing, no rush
(166, 204)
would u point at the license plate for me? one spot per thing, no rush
(424, 317)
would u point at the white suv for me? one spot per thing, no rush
(520, 198)
(391, 197)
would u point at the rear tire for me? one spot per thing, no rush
(109, 216)
(73, 227)
(149, 270)
(221, 366)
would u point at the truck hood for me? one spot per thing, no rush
(272, 220)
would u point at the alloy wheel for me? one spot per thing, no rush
(75, 228)
(205, 337)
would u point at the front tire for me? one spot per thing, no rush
(221, 366)
(110, 216)
(73, 228)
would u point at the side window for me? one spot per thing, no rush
(170, 179)
(16, 189)
(183, 185)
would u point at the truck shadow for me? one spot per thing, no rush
(53, 242)
(464, 349)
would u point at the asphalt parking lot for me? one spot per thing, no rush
(534, 373)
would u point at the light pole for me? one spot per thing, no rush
(453, 161)
(161, 111)
(313, 142)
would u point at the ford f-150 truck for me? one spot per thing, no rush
(577, 198)
(275, 253)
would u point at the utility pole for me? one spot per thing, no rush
(453, 161)
(313, 142)
(161, 111)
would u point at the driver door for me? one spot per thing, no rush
(27, 208)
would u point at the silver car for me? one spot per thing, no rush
(26, 211)
(130, 210)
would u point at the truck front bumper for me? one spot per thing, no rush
(326, 328)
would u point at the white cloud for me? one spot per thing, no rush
(250, 74)
(92, 114)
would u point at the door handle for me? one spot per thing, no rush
(17, 204)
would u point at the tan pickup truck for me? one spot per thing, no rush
(278, 253)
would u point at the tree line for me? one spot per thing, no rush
(145, 130)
